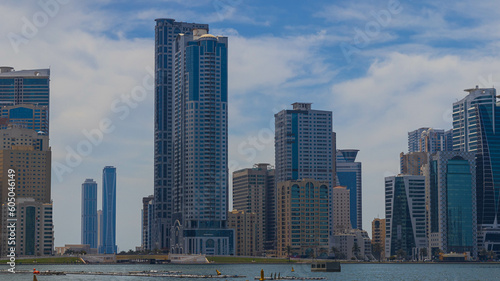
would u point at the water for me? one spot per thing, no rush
(388, 272)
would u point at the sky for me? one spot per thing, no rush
(382, 67)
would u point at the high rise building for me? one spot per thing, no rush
(476, 128)
(429, 140)
(349, 175)
(405, 231)
(411, 163)
(108, 227)
(200, 192)
(254, 192)
(341, 209)
(245, 229)
(166, 32)
(27, 154)
(378, 237)
(305, 147)
(302, 218)
(450, 184)
(89, 213)
(147, 204)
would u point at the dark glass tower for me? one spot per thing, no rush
(108, 227)
(476, 128)
(166, 31)
(349, 175)
(89, 213)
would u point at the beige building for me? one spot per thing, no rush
(354, 244)
(253, 192)
(302, 218)
(245, 230)
(341, 209)
(25, 163)
(378, 235)
(33, 232)
(411, 163)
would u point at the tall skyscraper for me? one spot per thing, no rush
(199, 191)
(450, 184)
(254, 192)
(108, 228)
(89, 213)
(166, 32)
(429, 140)
(349, 175)
(24, 121)
(405, 215)
(476, 128)
(305, 147)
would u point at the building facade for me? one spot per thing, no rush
(411, 163)
(349, 175)
(378, 237)
(302, 218)
(405, 216)
(34, 228)
(341, 209)
(108, 227)
(166, 32)
(24, 86)
(146, 216)
(245, 227)
(476, 128)
(429, 140)
(254, 192)
(354, 244)
(450, 182)
(89, 213)
(28, 116)
(200, 193)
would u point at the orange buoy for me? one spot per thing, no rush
(35, 271)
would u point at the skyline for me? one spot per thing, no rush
(405, 77)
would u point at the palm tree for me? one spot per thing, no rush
(401, 254)
(423, 253)
(377, 250)
(355, 250)
(288, 250)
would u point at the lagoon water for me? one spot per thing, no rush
(429, 271)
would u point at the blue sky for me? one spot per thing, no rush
(383, 67)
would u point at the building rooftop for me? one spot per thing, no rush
(7, 71)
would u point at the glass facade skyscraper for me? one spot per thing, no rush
(89, 213)
(108, 227)
(476, 128)
(429, 140)
(349, 175)
(166, 32)
(405, 215)
(451, 202)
